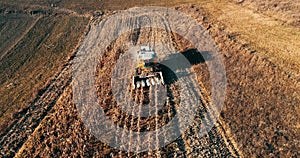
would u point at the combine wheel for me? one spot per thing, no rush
(143, 83)
(157, 81)
(138, 84)
(148, 83)
(152, 81)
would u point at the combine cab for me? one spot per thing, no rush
(147, 73)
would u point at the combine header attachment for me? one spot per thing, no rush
(147, 73)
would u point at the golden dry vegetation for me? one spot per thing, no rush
(259, 43)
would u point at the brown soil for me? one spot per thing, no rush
(260, 117)
(287, 11)
(262, 107)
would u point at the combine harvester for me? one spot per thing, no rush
(148, 72)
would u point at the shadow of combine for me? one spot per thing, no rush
(191, 56)
(195, 57)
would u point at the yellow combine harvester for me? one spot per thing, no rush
(147, 73)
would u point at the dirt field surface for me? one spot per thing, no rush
(36, 54)
(285, 10)
(260, 116)
(9, 38)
